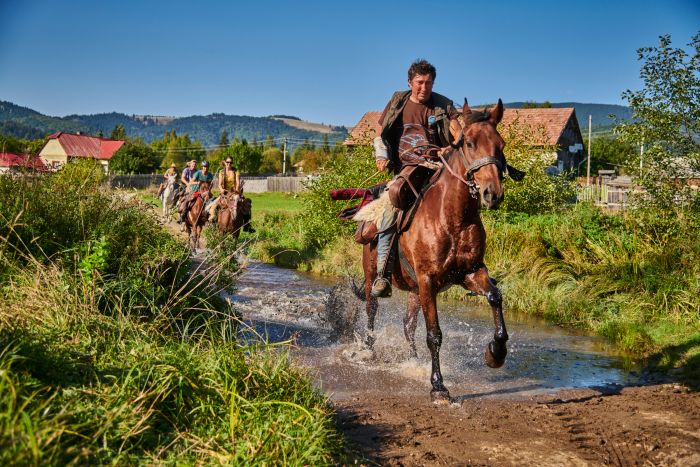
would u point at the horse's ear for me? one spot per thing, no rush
(497, 112)
(466, 111)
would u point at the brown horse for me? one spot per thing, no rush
(197, 216)
(230, 214)
(445, 242)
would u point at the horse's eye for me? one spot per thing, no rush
(470, 144)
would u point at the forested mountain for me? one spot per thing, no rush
(22, 122)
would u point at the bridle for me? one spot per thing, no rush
(470, 168)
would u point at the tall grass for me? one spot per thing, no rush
(113, 351)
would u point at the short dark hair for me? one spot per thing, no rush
(421, 67)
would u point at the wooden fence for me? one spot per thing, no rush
(608, 196)
(251, 184)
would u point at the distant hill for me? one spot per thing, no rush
(23, 122)
(600, 113)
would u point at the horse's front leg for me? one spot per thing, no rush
(479, 282)
(427, 295)
(410, 321)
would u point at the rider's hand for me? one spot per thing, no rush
(382, 164)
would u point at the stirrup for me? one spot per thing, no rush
(381, 287)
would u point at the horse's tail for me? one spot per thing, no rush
(359, 293)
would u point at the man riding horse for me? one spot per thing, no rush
(413, 125)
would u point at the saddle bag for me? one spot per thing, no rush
(365, 233)
(407, 184)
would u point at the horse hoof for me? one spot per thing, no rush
(495, 354)
(440, 396)
(369, 341)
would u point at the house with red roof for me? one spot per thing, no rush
(553, 127)
(10, 162)
(62, 147)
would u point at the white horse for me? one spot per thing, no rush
(167, 197)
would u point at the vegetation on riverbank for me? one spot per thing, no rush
(112, 351)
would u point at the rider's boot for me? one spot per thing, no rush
(382, 284)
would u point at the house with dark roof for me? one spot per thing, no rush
(10, 162)
(549, 128)
(62, 147)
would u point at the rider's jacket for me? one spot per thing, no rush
(391, 133)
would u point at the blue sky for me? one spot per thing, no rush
(326, 62)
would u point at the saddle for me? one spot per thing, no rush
(405, 193)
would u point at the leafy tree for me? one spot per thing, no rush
(118, 133)
(178, 149)
(20, 146)
(135, 157)
(535, 105)
(245, 157)
(667, 122)
(271, 161)
(539, 192)
(223, 139)
(320, 221)
(609, 152)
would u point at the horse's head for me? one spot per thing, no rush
(482, 147)
(205, 189)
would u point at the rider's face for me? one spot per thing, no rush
(421, 88)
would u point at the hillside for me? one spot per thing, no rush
(22, 122)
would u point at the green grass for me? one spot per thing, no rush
(113, 352)
(267, 203)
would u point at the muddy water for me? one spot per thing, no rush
(327, 324)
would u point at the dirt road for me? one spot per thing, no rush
(652, 425)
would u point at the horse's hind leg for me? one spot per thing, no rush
(480, 283)
(410, 321)
(369, 266)
(428, 302)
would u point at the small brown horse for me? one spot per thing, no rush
(231, 218)
(197, 216)
(446, 241)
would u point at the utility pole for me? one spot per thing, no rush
(284, 157)
(588, 164)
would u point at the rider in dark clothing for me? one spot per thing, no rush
(412, 121)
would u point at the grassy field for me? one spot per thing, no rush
(267, 203)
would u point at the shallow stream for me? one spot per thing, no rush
(326, 322)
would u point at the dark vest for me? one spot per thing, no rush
(392, 118)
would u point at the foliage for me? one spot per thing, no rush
(667, 113)
(118, 133)
(538, 192)
(246, 157)
(19, 145)
(134, 157)
(609, 152)
(632, 277)
(271, 161)
(178, 149)
(320, 216)
(535, 105)
(106, 361)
